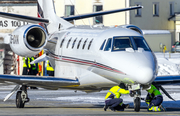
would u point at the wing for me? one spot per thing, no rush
(39, 81)
(99, 13)
(167, 80)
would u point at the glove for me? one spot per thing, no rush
(143, 99)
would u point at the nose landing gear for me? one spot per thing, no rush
(22, 97)
(137, 100)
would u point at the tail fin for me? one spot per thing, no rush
(46, 10)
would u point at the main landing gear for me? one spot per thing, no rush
(22, 97)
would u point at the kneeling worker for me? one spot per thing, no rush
(113, 100)
(154, 99)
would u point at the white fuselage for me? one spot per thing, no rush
(79, 54)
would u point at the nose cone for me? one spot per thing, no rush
(145, 75)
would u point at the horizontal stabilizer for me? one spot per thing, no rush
(23, 18)
(99, 13)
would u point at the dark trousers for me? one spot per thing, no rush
(50, 73)
(114, 103)
(156, 101)
(25, 72)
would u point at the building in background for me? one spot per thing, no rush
(8, 60)
(76, 7)
(159, 16)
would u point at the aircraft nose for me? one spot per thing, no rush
(145, 75)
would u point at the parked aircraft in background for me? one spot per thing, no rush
(85, 58)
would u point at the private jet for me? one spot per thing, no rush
(86, 58)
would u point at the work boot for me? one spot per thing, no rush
(125, 105)
(112, 109)
(105, 107)
(162, 108)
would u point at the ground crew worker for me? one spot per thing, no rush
(113, 100)
(49, 68)
(26, 66)
(34, 67)
(154, 99)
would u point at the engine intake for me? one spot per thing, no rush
(28, 40)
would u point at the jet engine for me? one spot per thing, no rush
(28, 40)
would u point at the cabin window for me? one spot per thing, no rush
(74, 43)
(102, 46)
(68, 42)
(90, 44)
(61, 43)
(79, 43)
(108, 45)
(84, 44)
(141, 43)
(121, 43)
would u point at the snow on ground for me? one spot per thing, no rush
(168, 63)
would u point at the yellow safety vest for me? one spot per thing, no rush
(116, 91)
(33, 65)
(24, 62)
(48, 67)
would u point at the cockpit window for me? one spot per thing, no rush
(121, 43)
(141, 43)
(108, 45)
(102, 46)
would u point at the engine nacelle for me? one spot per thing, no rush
(28, 40)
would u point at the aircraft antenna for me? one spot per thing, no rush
(90, 24)
(74, 21)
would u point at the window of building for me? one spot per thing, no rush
(68, 42)
(69, 10)
(138, 11)
(108, 45)
(84, 44)
(74, 43)
(79, 43)
(155, 9)
(61, 43)
(90, 44)
(171, 6)
(102, 46)
(98, 19)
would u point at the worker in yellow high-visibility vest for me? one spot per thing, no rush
(26, 66)
(34, 67)
(50, 70)
(113, 100)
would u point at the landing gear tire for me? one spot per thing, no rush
(19, 102)
(137, 103)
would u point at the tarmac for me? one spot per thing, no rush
(67, 103)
